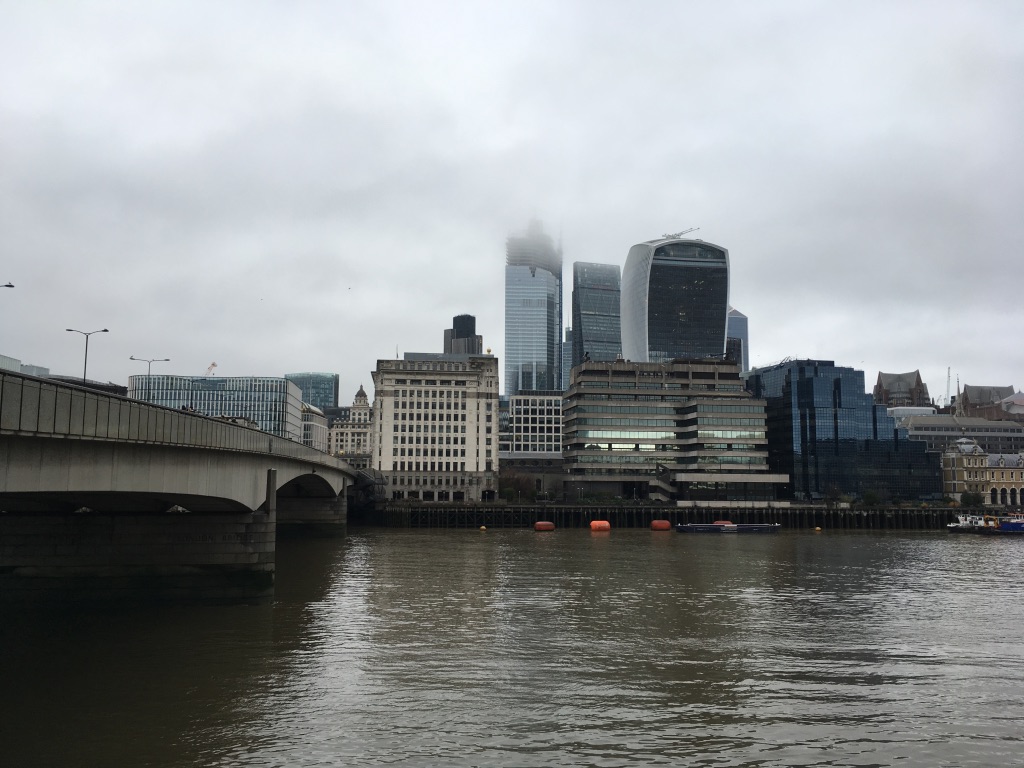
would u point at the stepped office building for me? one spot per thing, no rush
(533, 312)
(685, 432)
(596, 333)
(675, 300)
(827, 433)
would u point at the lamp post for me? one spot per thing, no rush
(149, 369)
(87, 334)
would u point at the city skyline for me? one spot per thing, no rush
(310, 191)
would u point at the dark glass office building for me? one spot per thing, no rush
(827, 434)
(675, 300)
(736, 332)
(318, 389)
(595, 312)
(533, 312)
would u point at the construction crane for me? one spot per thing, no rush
(210, 369)
(677, 235)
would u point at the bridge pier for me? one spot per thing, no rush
(165, 556)
(316, 516)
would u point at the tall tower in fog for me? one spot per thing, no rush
(675, 300)
(533, 312)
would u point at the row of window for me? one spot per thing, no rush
(433, 417)
(442, 452)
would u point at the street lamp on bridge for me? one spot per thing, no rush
(87, 334)
(149, 368)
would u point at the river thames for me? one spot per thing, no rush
(516, 648)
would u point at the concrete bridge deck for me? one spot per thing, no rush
(94, 484)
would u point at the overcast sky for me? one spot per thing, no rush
(309, 186)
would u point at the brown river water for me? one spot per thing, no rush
(516, 648)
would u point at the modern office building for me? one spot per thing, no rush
(461, 338)
(274, 404)
(684, 431)
(675, 301)
(314, 428)
(435, 426)
(901, 390)
(597, 335)
(13, 364)
(736, 329)
(533, 312)
(833, 440)
(567, 358)
(532, 445)
(940, 430)
(318, 389)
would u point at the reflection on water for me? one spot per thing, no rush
(517, 648)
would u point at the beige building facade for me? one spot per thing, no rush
(350, 439)
(435, 426)
(998, 477)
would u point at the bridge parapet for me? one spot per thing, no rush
(35, 407)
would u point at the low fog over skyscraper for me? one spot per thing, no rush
(533, 312)
(675, 300)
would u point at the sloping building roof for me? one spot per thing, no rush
(976, 395)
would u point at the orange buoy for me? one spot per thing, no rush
(600, 525)
(661, 525)
(543, 525)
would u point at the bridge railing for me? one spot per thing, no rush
(32, 406)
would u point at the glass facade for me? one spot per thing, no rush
(675, 301)
(318, 389)
(826, 432)
(274, 404)
(533, 312)
(736, 328)
(685, 431)
(567, 359)
(595, 312)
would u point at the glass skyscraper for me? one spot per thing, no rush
(675, 300)
(533, 312)
(826, 432)
(736, 328)
(595, 312)
(318, 389)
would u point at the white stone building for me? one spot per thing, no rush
(314, 428)
(435, 435)
(350, 439)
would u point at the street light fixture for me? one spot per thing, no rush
(149, 369)
(87, 334)
(9, 285)
(149, 363)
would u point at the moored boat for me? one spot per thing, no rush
(988, 525)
